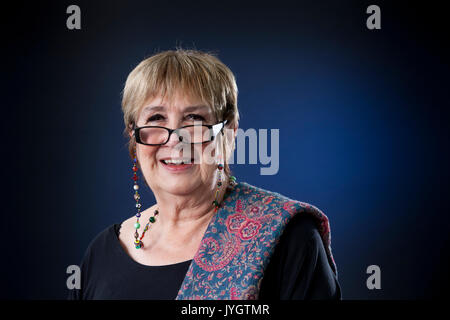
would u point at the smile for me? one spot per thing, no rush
(176, 161)
(177, 165)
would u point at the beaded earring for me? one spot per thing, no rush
(219, 184)
(138, 241)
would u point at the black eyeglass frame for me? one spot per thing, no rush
(180, 138)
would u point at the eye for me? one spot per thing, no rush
(155, 117)
(195, 117)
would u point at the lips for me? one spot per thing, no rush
(176, 161)
(177, 165)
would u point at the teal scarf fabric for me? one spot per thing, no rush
(239, 241)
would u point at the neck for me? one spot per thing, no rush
(183, 215)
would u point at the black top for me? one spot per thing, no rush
(298, 269)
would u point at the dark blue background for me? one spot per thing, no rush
(363, 119)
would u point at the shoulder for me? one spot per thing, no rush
(101, 241)
(301, 244)
(252, 195)
(248, 191)
(303, 223)
(300, 235)
(301, 227)
(96, 258)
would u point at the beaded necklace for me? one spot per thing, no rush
(138, 241)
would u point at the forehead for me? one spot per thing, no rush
(169, 108)
(178, 102)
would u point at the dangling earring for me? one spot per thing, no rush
(219, 184)
(138, 241)
(232, 183)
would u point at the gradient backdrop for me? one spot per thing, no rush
(363, 119)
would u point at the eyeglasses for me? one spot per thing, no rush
(192, 134)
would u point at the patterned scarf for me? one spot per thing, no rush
(239, 242)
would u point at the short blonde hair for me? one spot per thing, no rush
(195, 73)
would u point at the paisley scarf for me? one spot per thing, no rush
(239, 242)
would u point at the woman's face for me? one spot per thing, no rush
(159, 172)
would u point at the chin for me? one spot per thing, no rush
(180, 184)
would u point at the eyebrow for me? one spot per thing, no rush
(187, 109)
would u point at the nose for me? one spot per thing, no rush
(174, 139)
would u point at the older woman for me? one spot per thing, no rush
(207, 236)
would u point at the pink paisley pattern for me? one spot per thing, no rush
(214, 255)
(239, 242)
(249, 229)
(235, 221)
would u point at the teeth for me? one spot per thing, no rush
(172, 161)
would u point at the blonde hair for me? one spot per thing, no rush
(193, 72)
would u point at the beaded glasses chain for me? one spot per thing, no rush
(138, 240)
